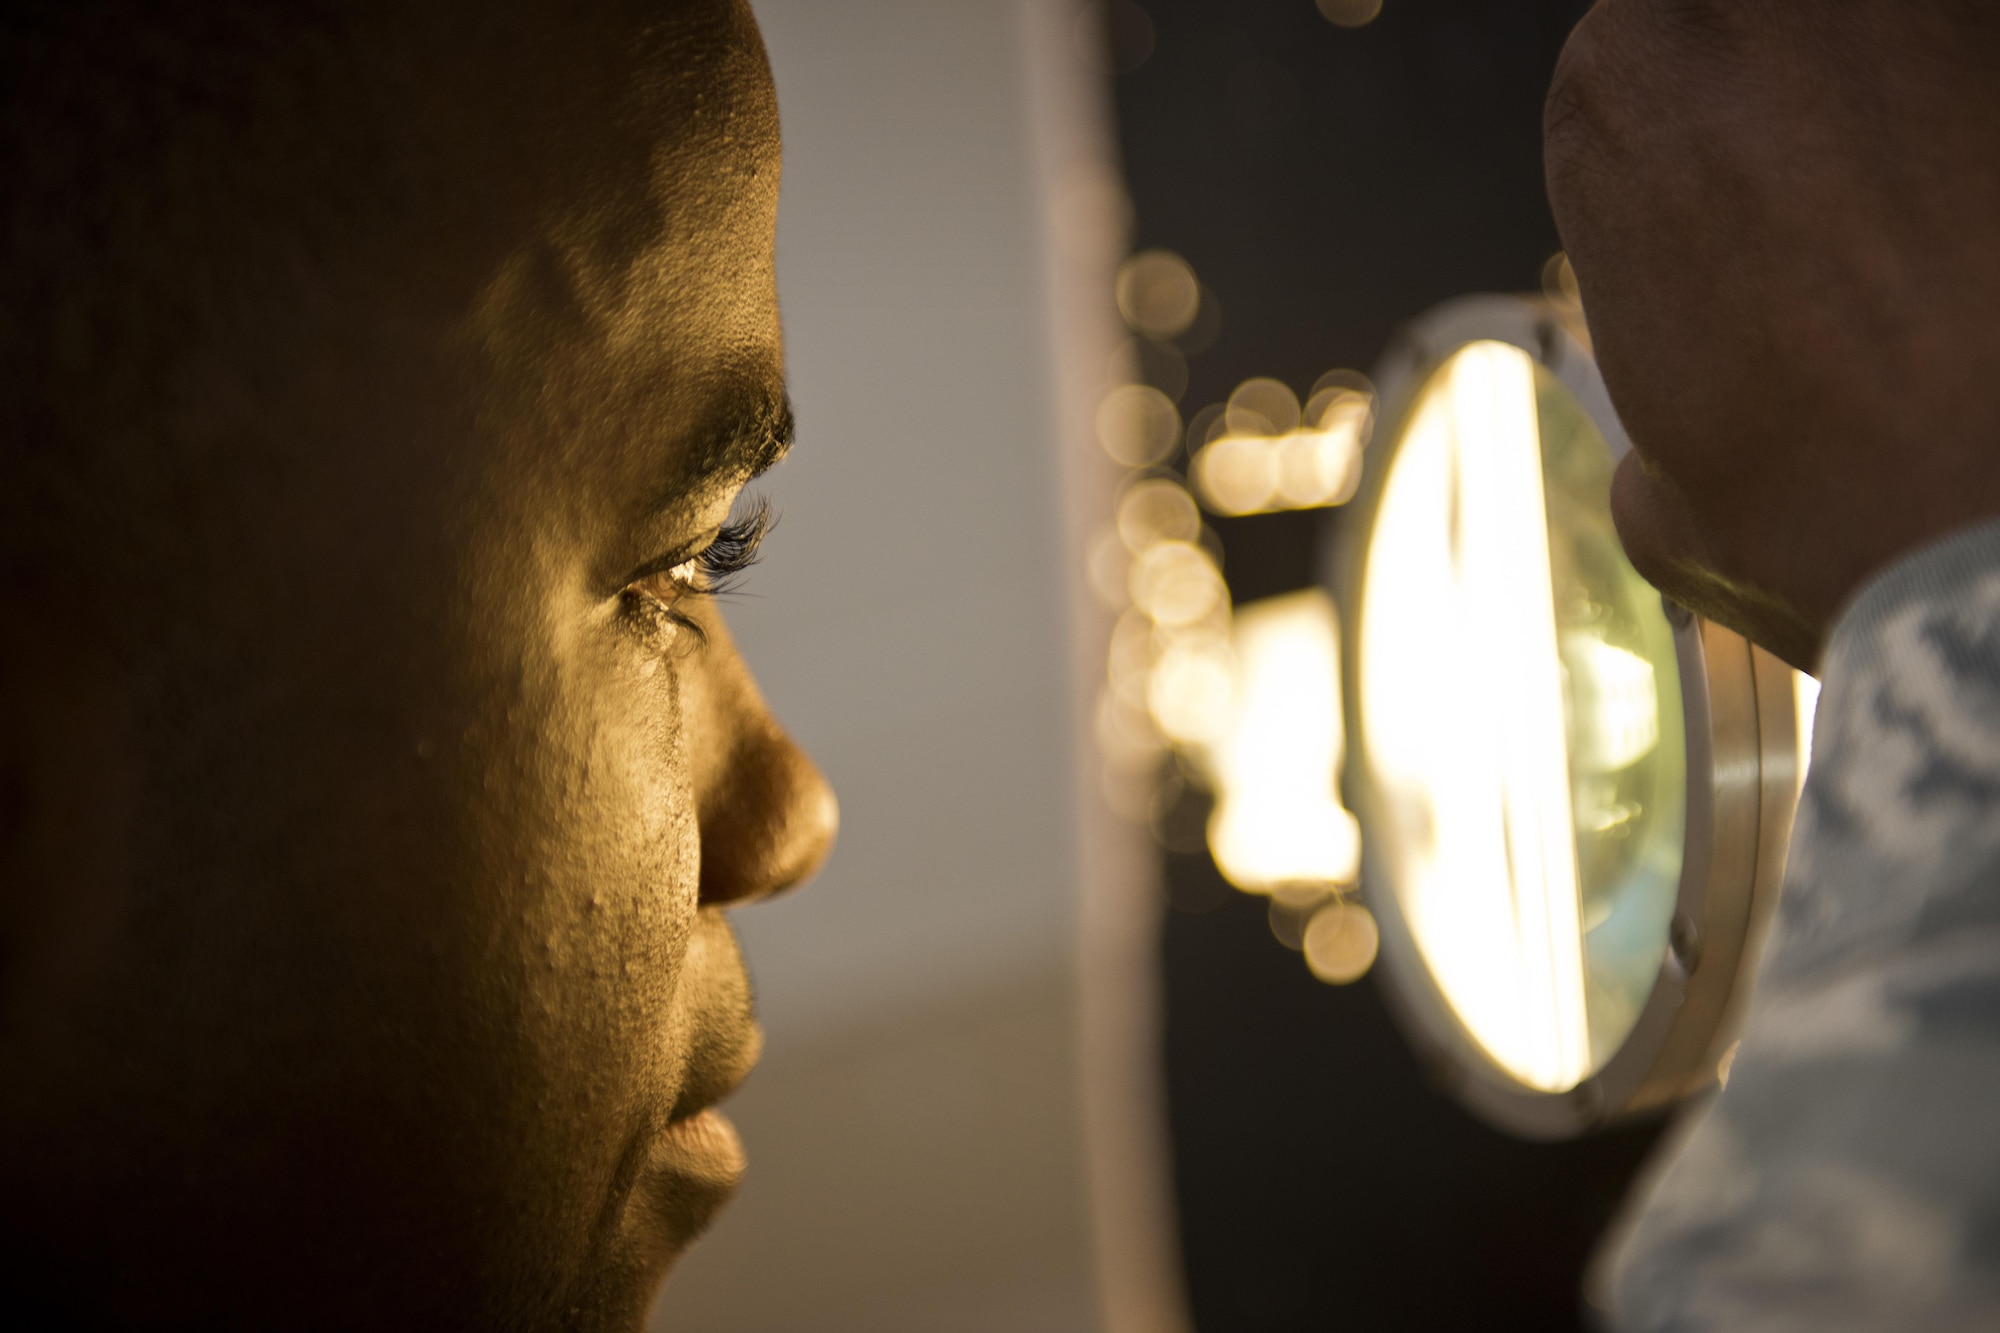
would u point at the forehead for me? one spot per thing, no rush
(663, 144)
(628, 152)
(638, 299)
(297, 232)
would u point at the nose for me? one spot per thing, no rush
(768, 824)
(767, 816)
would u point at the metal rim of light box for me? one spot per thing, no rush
(1742, 773)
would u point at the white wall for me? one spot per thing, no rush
(909, 624)
(917, 1129)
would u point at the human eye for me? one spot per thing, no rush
(715, 569)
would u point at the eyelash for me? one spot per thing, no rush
(713, 571)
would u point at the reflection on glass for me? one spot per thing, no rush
(1627, 738)
(1521, 720)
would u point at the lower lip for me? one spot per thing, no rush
(706, 1144)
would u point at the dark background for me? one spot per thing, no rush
(1327, 185)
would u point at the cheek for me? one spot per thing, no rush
(630, 862)
(650, 770)
(595, 847)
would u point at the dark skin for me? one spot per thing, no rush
(374, 771)
(1783, 216)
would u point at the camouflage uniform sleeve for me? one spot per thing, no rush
(1848, 1177)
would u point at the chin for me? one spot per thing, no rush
(692, 1171)
(686, 1173)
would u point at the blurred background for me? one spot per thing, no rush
(1033, 1062)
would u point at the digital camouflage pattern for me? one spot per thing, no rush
(1848, 1177)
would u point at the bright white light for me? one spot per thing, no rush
(1191, 689)
(1615, 705)
(1806, 694)
(1278, 820)
(1463, 691)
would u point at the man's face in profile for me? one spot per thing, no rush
(381, 391)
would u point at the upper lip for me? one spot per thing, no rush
(722, 1037)
(718, 1070)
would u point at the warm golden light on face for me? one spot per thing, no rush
(1278, 819)
(1520, 702)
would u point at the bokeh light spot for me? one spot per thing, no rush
(1176, 583)
(1157, 509)
(1108, 566)
(1262, 406)
(1191, 689)
(1273, 455)
(1341, 941)
(1138, 425)
(1158, 293)
(1350, 13)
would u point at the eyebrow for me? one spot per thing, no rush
(750, 439)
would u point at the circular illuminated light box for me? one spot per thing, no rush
(1574, 797)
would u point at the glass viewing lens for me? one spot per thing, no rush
(1524, 754)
